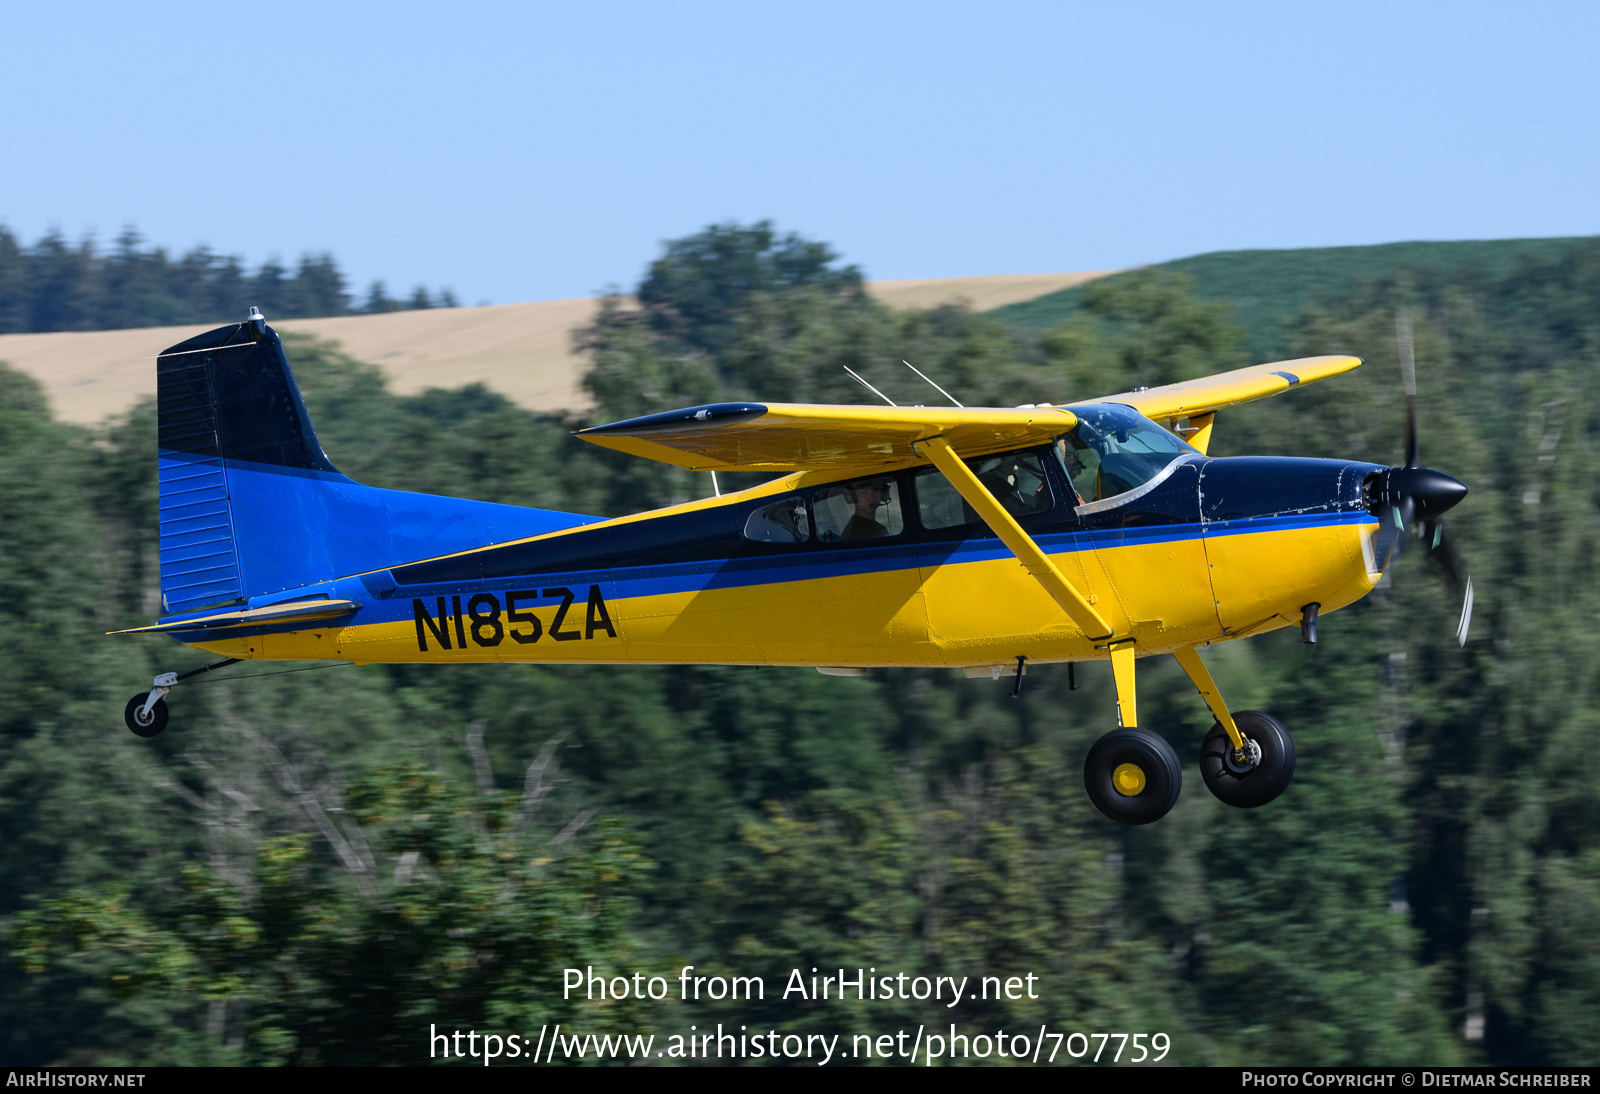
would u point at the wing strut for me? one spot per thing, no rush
(1004, 525)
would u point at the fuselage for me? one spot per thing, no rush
(1206, 550)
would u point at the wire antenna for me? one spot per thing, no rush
(869, 387)
(935, 387)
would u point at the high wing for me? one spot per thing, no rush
(1199, 400)
(1209, 394)
(801, 436)
(781, 437)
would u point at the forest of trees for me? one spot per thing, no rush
(313, 870)
(55, 285)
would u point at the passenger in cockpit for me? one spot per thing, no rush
(1002, 477)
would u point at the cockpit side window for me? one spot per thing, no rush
(1016, 479)
(1113, 449)
(865, 509)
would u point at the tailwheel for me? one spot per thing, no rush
(1133, 776)
(1246, 781)
(146, 713)
(146, 723)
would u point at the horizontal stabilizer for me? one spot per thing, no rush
(299, 611)
(802, 436)
(1191, 398)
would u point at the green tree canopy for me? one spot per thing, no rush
(695, 291)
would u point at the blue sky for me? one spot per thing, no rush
(527, 151)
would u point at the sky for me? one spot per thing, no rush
(529, 151)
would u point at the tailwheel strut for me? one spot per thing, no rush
(146, 713)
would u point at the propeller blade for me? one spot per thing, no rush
(1410, 497)
(1402, 516)
(1442, 553)
(1384, 542)
(1405, 339)
(1394, 521)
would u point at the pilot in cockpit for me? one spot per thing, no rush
(867, 496)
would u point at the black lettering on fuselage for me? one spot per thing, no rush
(441, 630)
(482, 619)
(598, 616)
(514, 615)
(487, 630)
(561, 614)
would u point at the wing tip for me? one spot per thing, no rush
(672, 421)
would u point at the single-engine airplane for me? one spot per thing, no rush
(975, 538)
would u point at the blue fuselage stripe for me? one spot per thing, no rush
(810, 565)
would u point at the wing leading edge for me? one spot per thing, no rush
(1209, 394)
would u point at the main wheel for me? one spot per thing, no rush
(145, 725)
(1133, 776)
(1241, 784)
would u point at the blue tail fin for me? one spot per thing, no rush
(251, 505)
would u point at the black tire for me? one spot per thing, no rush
(153, 723)
(1160, 776)
(1248, 787)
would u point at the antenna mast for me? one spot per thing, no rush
(869, 387)
(936, 387)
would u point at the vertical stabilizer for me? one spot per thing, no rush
(251, 505)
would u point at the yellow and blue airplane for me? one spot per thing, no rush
(979, 539)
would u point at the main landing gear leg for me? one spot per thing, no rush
(1127, 693)
(1207, 687)
(1247, 759)
(1131, 774)
(146, 713)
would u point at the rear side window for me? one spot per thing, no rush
(863, 510)
(783, 522)
(938, 504)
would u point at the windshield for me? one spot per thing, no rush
(1114, 449)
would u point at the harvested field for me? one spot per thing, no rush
(523, 351)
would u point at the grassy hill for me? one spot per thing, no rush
(1268, 288)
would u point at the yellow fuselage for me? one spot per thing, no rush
(950, 602)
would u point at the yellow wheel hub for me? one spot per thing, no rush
(1128, 779)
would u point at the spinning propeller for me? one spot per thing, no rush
(1411, 498)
